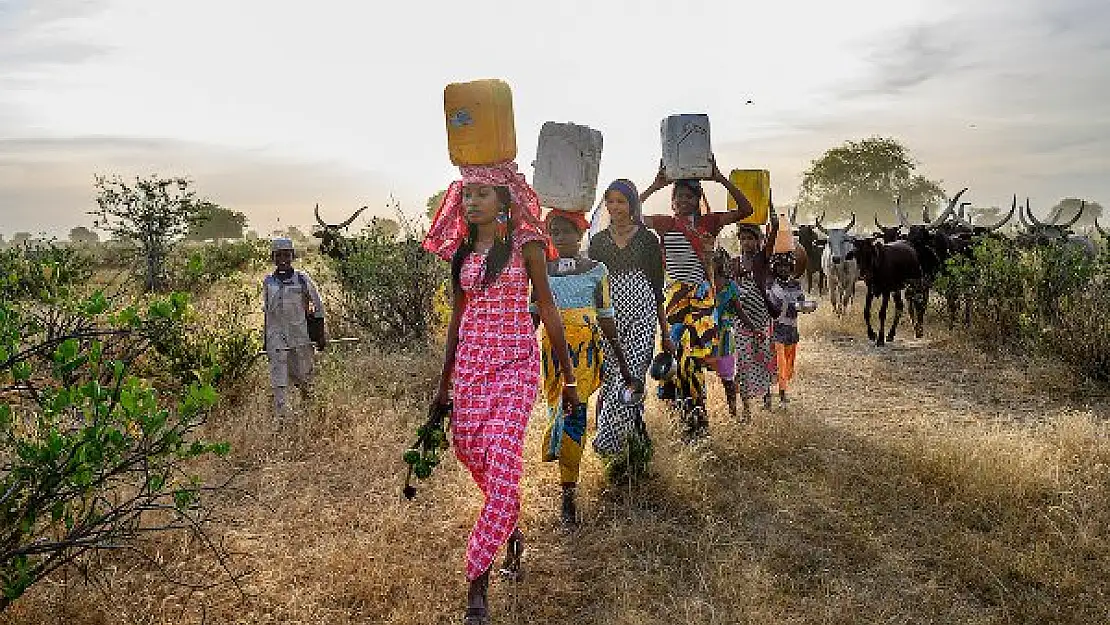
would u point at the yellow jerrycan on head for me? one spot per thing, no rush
(480, 126)
(756, 186)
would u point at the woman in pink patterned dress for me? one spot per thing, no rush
(488, 227)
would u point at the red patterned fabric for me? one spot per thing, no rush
(449, 226)
(496, 376)
(576, 218)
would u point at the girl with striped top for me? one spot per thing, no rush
(688, 238)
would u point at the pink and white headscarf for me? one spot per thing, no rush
(449, 227)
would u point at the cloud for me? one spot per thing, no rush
(47, 184)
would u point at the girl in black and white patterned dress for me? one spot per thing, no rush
(631, 253)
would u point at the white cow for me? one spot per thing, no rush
(839, 266)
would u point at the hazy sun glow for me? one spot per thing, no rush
(273, 106)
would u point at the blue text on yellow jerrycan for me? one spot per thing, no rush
(480, 125)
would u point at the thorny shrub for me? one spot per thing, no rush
(388, 286)
(1050, 299)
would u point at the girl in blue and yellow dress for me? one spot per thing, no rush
(581, 290)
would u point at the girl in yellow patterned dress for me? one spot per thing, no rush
(581, 290)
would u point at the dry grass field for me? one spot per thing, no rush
(920, 483)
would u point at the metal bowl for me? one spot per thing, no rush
(807, 306)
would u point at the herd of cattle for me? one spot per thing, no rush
(911, 256)
(908, 257)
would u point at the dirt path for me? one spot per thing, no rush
(897, 487)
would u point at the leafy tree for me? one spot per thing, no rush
(81, 234)
(866, 177)
(152, 215)
(1066, 209)
(388, 228)
(434, 202)
(293, 232)
(217, 222)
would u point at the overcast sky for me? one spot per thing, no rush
(272, 106)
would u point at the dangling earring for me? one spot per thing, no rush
(470, 236)
(502, 227)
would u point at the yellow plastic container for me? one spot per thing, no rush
(756, 186)
(480, 127)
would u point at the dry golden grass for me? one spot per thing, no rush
(920, 483)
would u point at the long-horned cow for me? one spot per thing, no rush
(1038, 233)
(887, 269)
(332, 241)
(889, 234)
(839, 264)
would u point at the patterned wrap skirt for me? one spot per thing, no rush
(634, 303)
(689, 309)
(563, 438)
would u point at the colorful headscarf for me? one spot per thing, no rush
(449, 227)
(576, 218)
(627, 188)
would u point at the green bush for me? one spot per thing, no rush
(1050, 300)
(40, 270)
(94, 457)
(221, 340)
(388, 286)
(195, 268)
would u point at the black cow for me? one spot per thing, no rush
(1039, 234)
(889, 234)
(814, 247)
(887, 269)
(332, 241)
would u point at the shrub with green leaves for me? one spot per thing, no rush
(388, 286)
(1052, 300)
(93, 456)
(221, 340)
(195, 268)
(37, 270)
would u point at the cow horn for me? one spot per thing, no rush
(351, 218)
(1008, 217)
(318, 219)
(1032, 217)
(794, 214)
(877, 224)
(949, 210)
(898, 212)
(1078, 214)
(1104, 233)
(1021, 215)
(817, 224)
(851, 223)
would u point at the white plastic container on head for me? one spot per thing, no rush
(567, 162)
(686, 147)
